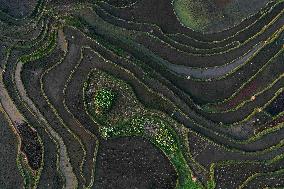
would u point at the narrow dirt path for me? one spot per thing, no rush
(8, 104)
(65, 166)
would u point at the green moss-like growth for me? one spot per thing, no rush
(103, 100)
(43, 51)
(30, 178)
(215, 15)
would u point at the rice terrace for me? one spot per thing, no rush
(142, 94)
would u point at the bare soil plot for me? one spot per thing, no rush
(132, 163)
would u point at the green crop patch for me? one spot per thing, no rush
(103, 100)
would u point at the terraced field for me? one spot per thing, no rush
(145, 94)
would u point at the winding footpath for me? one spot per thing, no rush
(64, 164)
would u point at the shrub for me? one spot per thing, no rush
(103, 100)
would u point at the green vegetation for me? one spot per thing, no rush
(213, 16)
(104, 99)
(192, 15)
(42, 51)
(146, 125)
(31, 178)
(160, 134)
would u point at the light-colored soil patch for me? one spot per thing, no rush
(65, 166)
(8, 104)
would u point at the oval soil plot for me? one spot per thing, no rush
(120, 165)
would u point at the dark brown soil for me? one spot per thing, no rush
(128, 163)
(221, 3)
(277, 105)
(30, 145)
(17, 8)
(9, 173)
